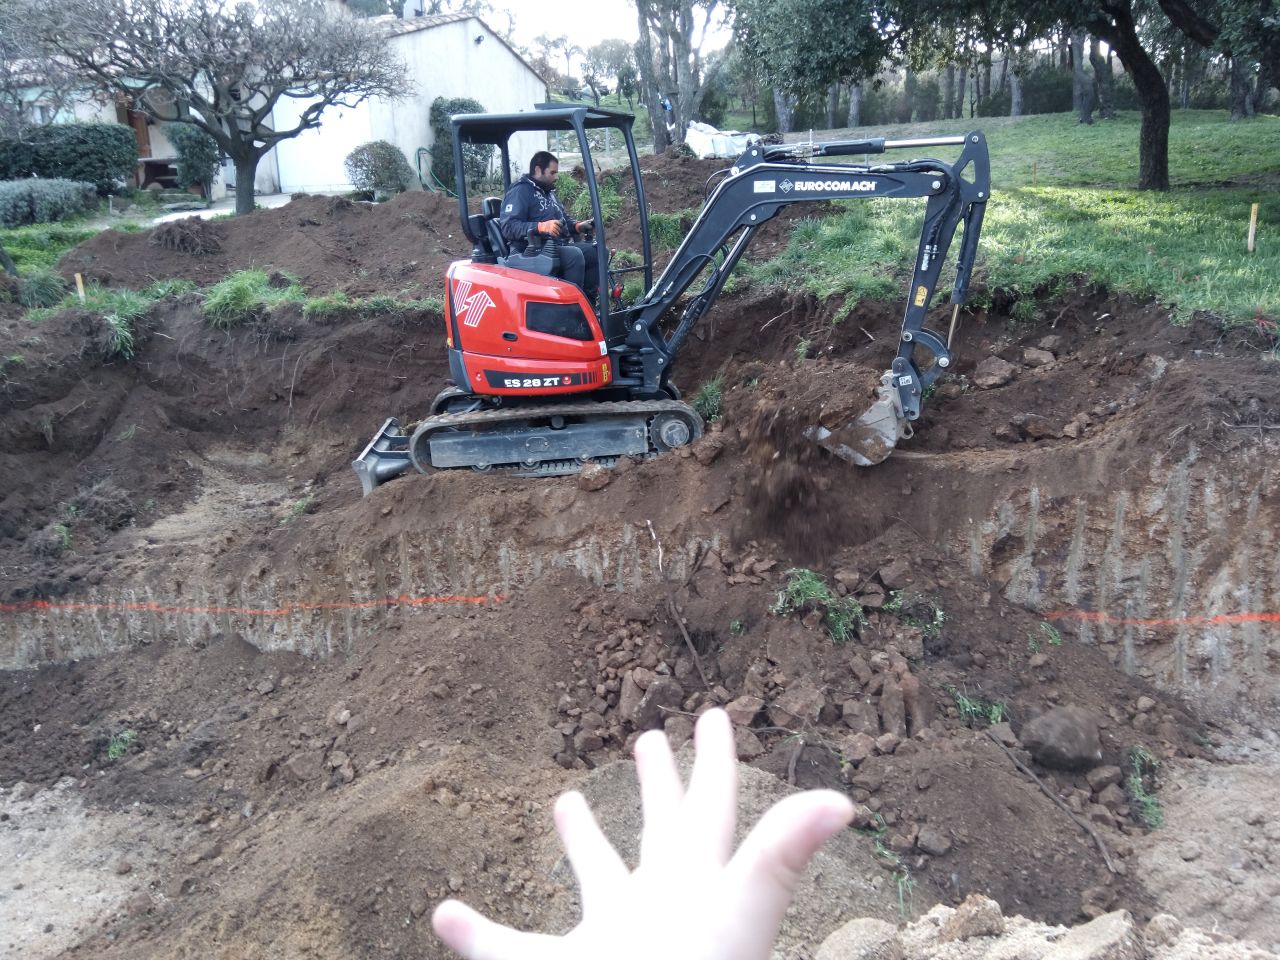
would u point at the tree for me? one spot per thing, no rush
(801, 47)
(35, 88)
(608, 59)
(669, 55)
(561, 46)
(1246, 31)
(223, 66)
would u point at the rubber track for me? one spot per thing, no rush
(594, 411)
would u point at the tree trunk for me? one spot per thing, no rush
(907, 104)
(833, 105)
(986, 76)
(648, 81)
(1121, 34)
(1239, 90)
(961, 76)
(1004, 73)
(7, 263)
(948, 91)
(1103, 81)
(246, 172)
(855, 105)
(1015, 92)
(1081, 88)
(785, 108)
(1258, 97)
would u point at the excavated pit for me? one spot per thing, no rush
(192, 513)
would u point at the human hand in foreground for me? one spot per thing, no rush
(688, 899)
(585, 226)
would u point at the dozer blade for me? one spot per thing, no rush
(386, 456)
(869, 439)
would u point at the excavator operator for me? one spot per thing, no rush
(532, 204)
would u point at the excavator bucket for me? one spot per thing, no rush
(385, 456)
(870, 438)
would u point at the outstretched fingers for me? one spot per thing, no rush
(763, 874)
(710, 808)
(599, 869)
(476, 937)
(660, 797)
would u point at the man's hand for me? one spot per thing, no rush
(549, 227)
(586, 226)
(688, 898)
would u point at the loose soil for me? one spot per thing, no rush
(273, 802)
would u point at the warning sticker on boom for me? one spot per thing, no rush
(922, 295)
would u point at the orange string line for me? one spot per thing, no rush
(1222, 619)
(26, 606)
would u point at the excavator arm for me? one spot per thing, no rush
(755, 189)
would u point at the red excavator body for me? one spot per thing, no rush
(521, 334)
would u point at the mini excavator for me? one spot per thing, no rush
(544, 381)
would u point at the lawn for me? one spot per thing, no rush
(1061, 210)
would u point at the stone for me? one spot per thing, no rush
(306, 765)
(1145, 704)
(857, 748)
(594, 477)
(747, 744)
(978, 916)
(887, 742)
(918, 701)
(265, 686)
(1063, 738)
(1162, 930)
(933, 841)
(1112, 797)
(663, 696)
(1035, 357)
(1004, 733)
(1189, 850)
(744, 710)
(862, 939)
(1052, 343)
(1032, 426)
(860, 669)
(629, 697)
(1102, 777)
(1113, 936)
(993, 372)
(909, 641)
(798, 707)
(1038, 660)
(895, 575)
(678, 729)
(860, 716)
(123, 867)
(893, 710)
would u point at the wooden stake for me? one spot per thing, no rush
(1033, 173)
(1253, 226)
(80, 287)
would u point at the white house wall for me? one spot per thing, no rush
(444, 61)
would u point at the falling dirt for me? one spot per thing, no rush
(303, 717)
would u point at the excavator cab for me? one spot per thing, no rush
(502, 132)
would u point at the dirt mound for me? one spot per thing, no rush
(401, 247)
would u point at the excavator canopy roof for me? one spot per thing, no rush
(498, 127)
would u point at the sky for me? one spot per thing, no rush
(585, 23)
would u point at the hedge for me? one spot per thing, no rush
(104, 154)
(380, 168)
(43, 201)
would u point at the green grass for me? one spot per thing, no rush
(976, 710)
(243, 296)
(1142, 765)
(328, 306)
(917, 610)
(666, 230)
(173, 287)
(806, 590)
(118, 746)
(39, 245)
(708, 399)
(42, 288)
(297, 509)
(1078, 220)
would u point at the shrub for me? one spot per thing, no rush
(379, 167)
(42, 201)
(42, 288)
(104, 154)
(198, 155)
(475, 156)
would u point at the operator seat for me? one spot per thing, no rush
(492, 209)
